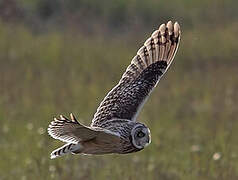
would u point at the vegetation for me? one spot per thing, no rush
(53, 64)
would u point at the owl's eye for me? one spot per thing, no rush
(140, 134)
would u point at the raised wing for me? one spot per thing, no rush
(71, 131)
(153, 59)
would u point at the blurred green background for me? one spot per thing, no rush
(59, 56)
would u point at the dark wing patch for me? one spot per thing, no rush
(125, 99)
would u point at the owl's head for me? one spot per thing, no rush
(140, 136)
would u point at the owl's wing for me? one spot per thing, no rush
(71, 131)
(153, 59)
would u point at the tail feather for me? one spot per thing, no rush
(67, 148)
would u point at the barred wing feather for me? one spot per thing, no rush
(71, 131)
(153, 59)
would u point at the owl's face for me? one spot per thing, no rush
(140, 136)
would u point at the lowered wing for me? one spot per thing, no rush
(71, 131)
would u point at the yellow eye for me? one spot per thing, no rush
(140, 134)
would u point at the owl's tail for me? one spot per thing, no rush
(67, 148)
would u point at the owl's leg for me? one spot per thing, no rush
(67, 148)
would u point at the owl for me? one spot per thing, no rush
(114, 127)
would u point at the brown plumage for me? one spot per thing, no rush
(114, 128)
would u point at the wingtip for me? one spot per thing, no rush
(162, 29)
(73, 118)
(176, 23)
(63, 117)
(170, 27)
(177, 30)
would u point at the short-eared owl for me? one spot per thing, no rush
(114, 128)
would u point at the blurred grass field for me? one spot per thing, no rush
(192, 113)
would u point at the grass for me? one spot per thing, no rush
(192, 114)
